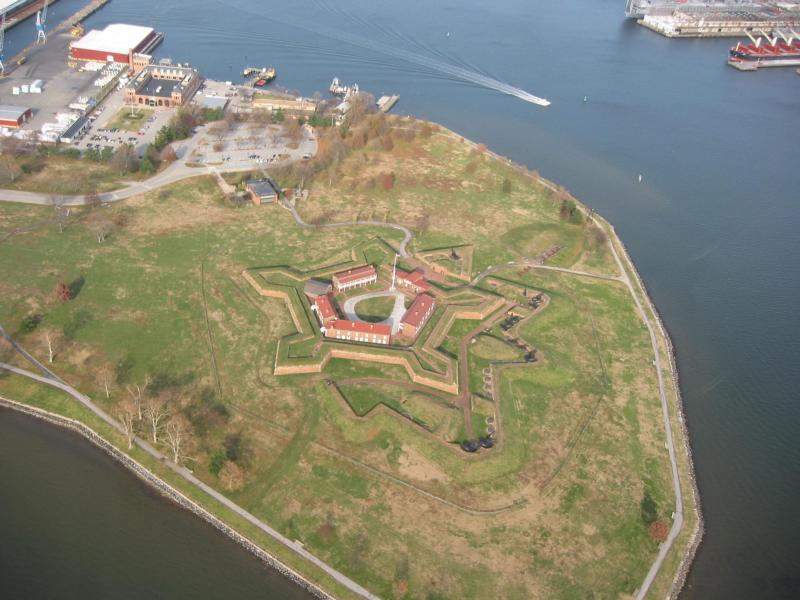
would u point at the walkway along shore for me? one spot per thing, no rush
(176, 173)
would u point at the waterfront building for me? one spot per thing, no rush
(163, 85)
(118, 42)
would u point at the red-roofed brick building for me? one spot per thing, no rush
(323, 306)
(417, 315)
(352, 278)
(358, 331)
(415, 281)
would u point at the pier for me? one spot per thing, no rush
(67, 23)
(673, 19)
(386, 103)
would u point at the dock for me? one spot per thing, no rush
(693, 19)
(67, 23)
(386, 103)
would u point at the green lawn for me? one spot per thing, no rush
(129, 120)
(375, 310)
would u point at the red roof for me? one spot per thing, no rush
(415, 278)
(418, 310)
(355, 274)
(361, 327)
(325, 307)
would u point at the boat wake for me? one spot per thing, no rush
(427, 62)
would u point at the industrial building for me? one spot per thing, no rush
(118, 42)
(14, 116)
(163, 85)
(360, 276)
(75, 130)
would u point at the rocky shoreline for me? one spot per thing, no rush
(696, 536)
(167, 491)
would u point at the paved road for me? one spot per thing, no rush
(398, 310)
(177, 171)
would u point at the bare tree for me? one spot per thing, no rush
(137, 395)
(232, 475)
(179, 437)
(126, 413)
(124, 159)
(156, 410)
(168, 154)
(60, 212)
(293, 130)
(106, 377)
(92, 200)
(10, 171)
(102, 229)
(49, 345)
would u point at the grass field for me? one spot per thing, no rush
(357, 462)
(65, 175)
(375, 310)
(129, 120)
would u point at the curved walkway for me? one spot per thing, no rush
(398, 311)
(299, 220)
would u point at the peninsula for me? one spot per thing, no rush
(384, 359)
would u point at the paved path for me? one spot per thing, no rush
(677, 523)
(53, 381)
(398, 311)
(406, 232)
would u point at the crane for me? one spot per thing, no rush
(2, 42)
(41, 18)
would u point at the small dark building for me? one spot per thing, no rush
(262, 191)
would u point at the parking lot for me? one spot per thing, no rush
(250, 144)
(62, 85)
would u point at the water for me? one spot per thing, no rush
(76, 525)
(712, 227)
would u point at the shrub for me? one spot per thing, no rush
(506, 186)
(63, 292)
(649, 508)
(387, 180)
(30, 323)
